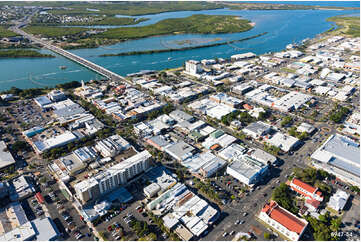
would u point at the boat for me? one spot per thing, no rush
(62, 67)
(169, 58)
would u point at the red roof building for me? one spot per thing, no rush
(306, 190)
(247, 106)
(283, 221)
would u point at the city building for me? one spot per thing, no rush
(340, 156)
(56, 96)
(160, 180)
(180, 150)
(112, 177)
(112, 146)
(193, 67)
(263, 156)
(243, 56)
(218, 139)
(246, 169)
(305, 127)
(180, 116)
(6, 159)
(257, 129)
(232, 152)
(204, 164)
(338, 200)
(182, 207)
(291, 101)
(159, 142)
(43, 101)
(283, 141)
(284, 222)
(306, 190)
(14, 225)
(20, 188)
(40, 146)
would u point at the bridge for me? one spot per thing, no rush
(88, 64)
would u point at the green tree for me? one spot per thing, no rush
(286, 121)
(266, 235)
(335, 224)
(282, 195)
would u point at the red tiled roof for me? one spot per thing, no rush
(305, 186)
(313, 202)
(288, 220)
(319, 193)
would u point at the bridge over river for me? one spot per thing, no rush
(88, 64)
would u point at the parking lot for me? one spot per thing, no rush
(56, 206)
(117, 223)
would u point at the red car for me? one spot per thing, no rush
(110, 228)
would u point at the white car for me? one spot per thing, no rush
(225, 234)
(231, 233)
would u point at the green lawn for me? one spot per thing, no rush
(4, 32)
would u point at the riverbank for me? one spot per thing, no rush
(349, 26)
(21, 53)
(180, 49)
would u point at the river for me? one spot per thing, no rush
(283, 27)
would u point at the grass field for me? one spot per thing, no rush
(203, 24)
(132, 8)
(346, 26)
(22, 53)
(4, 32)
(47, 31)
(104, 21)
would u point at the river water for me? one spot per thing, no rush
(283, 27)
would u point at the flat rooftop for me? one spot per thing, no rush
(6, 159)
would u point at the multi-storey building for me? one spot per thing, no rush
(112, 178)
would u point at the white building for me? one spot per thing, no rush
(283, 221)
(257, 129)
(246, 169)
(193, 67)
(56, 96)
(6, 158)
(113, 177)
(305, 127)
(41, 146)
(291, 101)
(340, 156)
(112, 146)
(283, 141)
(338, 200)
